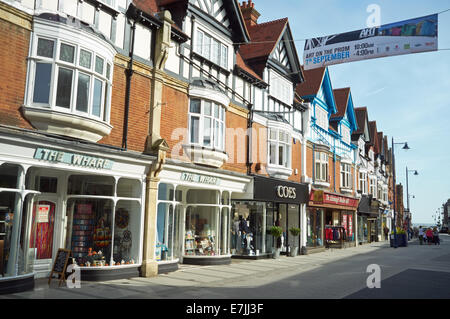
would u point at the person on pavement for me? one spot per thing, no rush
(436, 239)
(386, 232)
(429, 236)
(421, 235)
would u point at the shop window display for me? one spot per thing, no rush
(201, 231)
(248, 228)
(314, 228)
(126, 230)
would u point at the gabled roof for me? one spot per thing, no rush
(341, 97)
(147, 6)
(374, 136)
(264, 38)
(312, 83)
(240, 63)
(361, 120)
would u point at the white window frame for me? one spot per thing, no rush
(217, 140)
(321, 118)
(206, 49)
(346, 175)
(362, 182)
(321, 165)
(279, 139)
(76, 69)
(373, 187)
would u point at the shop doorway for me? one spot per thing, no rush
(372, 230)
(42, 236)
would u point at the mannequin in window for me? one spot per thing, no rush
(235, 232)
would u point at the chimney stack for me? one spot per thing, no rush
(249, 13)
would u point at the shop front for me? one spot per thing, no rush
(194, 215)
(334, 215)
(273, 202)
(61, 194)
(369, 222)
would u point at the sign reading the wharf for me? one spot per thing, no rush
(286, 192)
(202, 179)
(72, 159)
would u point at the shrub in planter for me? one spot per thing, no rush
(294, 248)
(276, 232)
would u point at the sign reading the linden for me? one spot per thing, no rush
(195, 178)
(72, 159)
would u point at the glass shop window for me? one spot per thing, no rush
(16, 256)
(129, 188)
(91, 185)
(126, 233)
(89, 231)
(202, 196)
(167, 232)
(201, 231)
(46, 184)
(9, 176)
(165, 192)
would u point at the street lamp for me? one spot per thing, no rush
(405, 147)
(407, 192)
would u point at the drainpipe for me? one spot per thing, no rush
(249, 137)
(129, 74)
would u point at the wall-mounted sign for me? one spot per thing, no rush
(286, 192)
(202, 179)
(73, 159)
(321, 197)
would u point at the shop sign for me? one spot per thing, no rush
(344, 222)
(286, 192)
(350, 225)
(72, 159)
(202, 179)
(43, 211)
(321, 197)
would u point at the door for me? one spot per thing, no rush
(42, 237)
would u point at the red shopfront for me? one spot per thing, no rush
(339, 213)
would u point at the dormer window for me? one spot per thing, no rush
(321, 118)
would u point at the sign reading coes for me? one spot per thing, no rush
(286, 192)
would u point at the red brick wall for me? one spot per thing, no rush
(236, 143)
(296, 161)
(174, 120)
(15, 42)
(138, 115)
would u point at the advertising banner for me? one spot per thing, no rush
(405, 37)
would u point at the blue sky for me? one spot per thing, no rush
(408, 95)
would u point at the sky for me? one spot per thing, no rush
(408, 95)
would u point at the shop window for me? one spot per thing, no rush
(46, 184)
(129, 188)
(167, 232)
(9, 176)
(196, 196)
(314, 228)
(16, 256)
(201, 231)
(127, 223)
(293, 221)
(91, 185)
(248, 231)
(165, 192)
(89, 231)
(43, 231)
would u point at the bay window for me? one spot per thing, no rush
(207, 124)
(69, 78)
(279, 148)
(321, 167)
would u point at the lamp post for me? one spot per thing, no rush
(405, 147)
(407, 194)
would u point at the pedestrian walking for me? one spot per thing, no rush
(386, 232)
(421, 235)
(436, 239)
(429, 236)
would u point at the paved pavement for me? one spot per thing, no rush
(412, 272)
